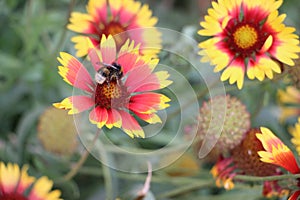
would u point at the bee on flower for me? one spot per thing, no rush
(122, 86)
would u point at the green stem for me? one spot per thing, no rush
(184, 180)
(266, 178)
(185, 189)
(106, 172)
(94, 171)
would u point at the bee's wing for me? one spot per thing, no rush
(99, 78)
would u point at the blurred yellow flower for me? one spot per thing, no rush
(16, 184)
(289, 101)
(295, 132)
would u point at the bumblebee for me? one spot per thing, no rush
(108, 73)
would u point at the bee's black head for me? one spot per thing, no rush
(117, 66)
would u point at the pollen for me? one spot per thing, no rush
(245, 36)
(111, 95)
(111, 91)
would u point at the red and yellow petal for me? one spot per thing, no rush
(75, 104)
(83, 44)
(128, 56)
(95, 57)
(263, 66)
(115, 7)
(99, 116)
(268, 139)
(235, 73)
(25, 180)
(114, 119)
(136, 76)
(98, 10)
(81, 23)
(129, 61)
(125, 10)
(276, 152)
(149, 118)
(108, 49)
(148, 103)
(9, 177)
(287, 43)
(74, 73)
(211, 52)
(149, 40)
(143, 17)
(42, 190)
(130, 126)
(154, 81)
(217, 18)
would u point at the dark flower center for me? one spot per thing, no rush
(111, 94)
(246, 158)
(244, 38)
(12, 196)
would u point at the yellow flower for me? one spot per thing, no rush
(124, 19)
(295, 132)
(248, 36)
(16, 184)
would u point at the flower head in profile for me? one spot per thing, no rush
(243, 159)
(16, 184)
(289, 100)
(122, 86)
(117, 18)
(277, 153)
(248, 36)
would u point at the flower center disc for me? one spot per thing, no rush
(13, 196)
(245, 36)
(115, 29)
(111, 95)
(246, 158)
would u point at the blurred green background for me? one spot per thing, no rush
(32, 33)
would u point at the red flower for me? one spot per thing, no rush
(126, 19)
(114, 101)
